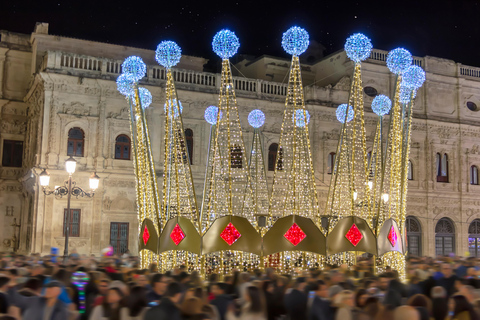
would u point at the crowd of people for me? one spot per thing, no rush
(114, 288)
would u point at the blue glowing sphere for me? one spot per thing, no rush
(211, 115)
(341, 110)
(145, 97)
(381, 105)
(225, 44)
(398, 60)
(299, 117)
(358, 47)
(173, 104)
(406, 94)
(126, 84)
(168, 54)
(295, 41)
(256, 118)
(135, 66)
(413, 77)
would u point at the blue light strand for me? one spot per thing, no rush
(413, 77)
(341, 110)
(358, 47)
(173, 103)
(406, 94)
(256, 118)
(295, 41)
(225, 44)
(168, 54)
(381, 105)
(211, 115)
(126, 84)
(398, 60)
(145, 98)
(299, 117)
(135, 66)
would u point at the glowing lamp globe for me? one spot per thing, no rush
(299, 118)
(168, 54)
(406, 94)
(211, 115)
(135, 66)
(173, 103)
(342, 110)
(70, 165)
(256, 118)
(413, 77)
(44, 178)
(381, 105)
(126, 84)
(358, 47)
(295, 41)
(399, 60)
(145, 98)
(94, 180)
(225, 44)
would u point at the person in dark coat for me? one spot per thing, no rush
(45, 307)
(296, 301)
(320, 308)
(167, 309)
(447, 279)
(221, 300)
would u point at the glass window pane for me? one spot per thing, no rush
(79, 149)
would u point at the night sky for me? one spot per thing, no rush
(446, 29)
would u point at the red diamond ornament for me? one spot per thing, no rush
(230, 234)
(295, 234)
(392, 236)
(146, 235)
(177, 234)
(354, 235)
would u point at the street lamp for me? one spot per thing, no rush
(68, 189)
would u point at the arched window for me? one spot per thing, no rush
(442, 167)
(474, 238)
(473, 175)
(410, 170)
(273, 152)
(122, 147)
(189, 139)
(444, 237)
(414, 236)
(236, 157)
(76, 142)
(330, 162)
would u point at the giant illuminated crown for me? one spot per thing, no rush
(366, 203)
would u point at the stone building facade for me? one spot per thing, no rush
(58, 97)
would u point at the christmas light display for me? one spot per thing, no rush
(381, 105)
(256, 118)
(225, 44)
(211, 115)
(173, 107)
(145, 97)
(135, 66)
(80, 281)
(341, 113)
(168, 54)
(295, 41)
(358, 47)
(126, 84)
(398, 60)
(299, 117)
(413, 77)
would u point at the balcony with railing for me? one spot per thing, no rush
(101, 67)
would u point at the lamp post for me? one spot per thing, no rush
(69, 188)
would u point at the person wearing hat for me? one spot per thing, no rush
(44, 307)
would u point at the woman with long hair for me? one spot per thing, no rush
(135, 304)
(110, 307)
(253, 309)
(192, 309)
(345, 303)
(360, 298)
(461, 308)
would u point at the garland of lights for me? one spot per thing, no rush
(80, 281)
